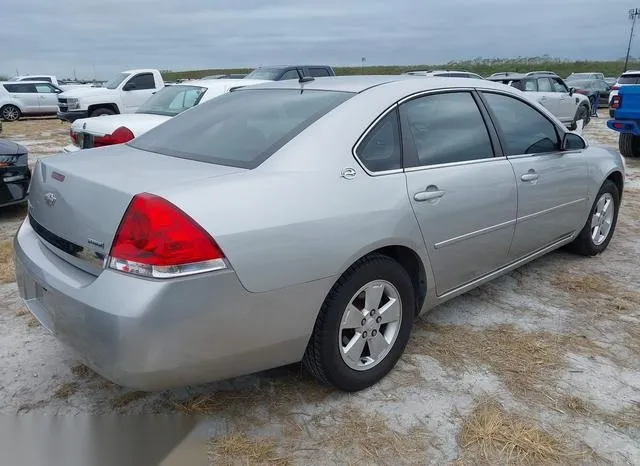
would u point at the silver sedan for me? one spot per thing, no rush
(305, 220)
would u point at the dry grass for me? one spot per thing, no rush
(32, 322)
(241, 449)
(22, 312)
(583, 284)
(80, 370)
(353, 433)
(66, 390)
(126, 399)
(7, 271)
(577, 405)
(521, 359)
(489, 435)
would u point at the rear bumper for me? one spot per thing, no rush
(14, 185)
(624, 126)
(159, 334)
(72, 116)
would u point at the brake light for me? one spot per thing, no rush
(157, 239)
(616, 101)
(581, 91)
(74, 136)
(119, 136)
(618, 125)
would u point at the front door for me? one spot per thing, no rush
(137, 91)
(552, 185)
(47, 98)
(463, 196)
(568, 104)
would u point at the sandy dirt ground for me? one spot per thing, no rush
(539, 366)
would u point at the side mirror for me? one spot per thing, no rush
(572, 141)
(572, 90)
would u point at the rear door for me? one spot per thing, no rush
(137, 91)
(552, 185)
(26, 94)
(47, 98)
(548, 98)
(463, 195)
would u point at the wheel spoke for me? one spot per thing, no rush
(352, 317)
(595, 220)
(354, 348)
(390, 312)
(595, 234)
(605, 207)
(373, 296)
(605, 227)
(377, 345)
(600, 204)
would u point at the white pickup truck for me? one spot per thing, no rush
(124, 93)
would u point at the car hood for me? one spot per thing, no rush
(84, 92)
(138, 123)
(11, 148)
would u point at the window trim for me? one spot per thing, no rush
(410, 153)
(559, 132)
(371, 127)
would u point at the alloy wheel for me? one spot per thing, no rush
(602, 219)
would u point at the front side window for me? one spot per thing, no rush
(447, 128)
(141, 82)
(558, 86)
(524, 129)
(45, 89)
(291, 74)
(172, 100)
(241, 128)
(380, 150)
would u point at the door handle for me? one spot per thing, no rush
(428, 195)
(529, 177)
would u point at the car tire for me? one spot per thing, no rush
(10, 113)
(101, 111)
(582, 113)
(629, 145)
(326, 356)
(589, 242)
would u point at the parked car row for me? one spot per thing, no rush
(303, 220)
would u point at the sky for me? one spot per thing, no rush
(102, 38)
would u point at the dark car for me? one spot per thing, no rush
(14, 173)
(283, 72)
(589, 87)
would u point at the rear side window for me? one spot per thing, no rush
(447, 128)
(21, 88)
(241, 128)
(318, 72)
(529, 85)
(380, 149)
(524, 129)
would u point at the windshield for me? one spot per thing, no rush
(269, 74)
(241, 128)
(582, 83)
(577, 76)
(172, 100)
(116, 80)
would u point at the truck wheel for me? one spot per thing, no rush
(629, 145)
(10, 113)
(102, 111)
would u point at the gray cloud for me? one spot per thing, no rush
(43, 36)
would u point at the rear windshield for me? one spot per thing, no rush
(630, 79)
(171, 100)
(241, 128)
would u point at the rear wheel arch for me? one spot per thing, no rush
(110, 106)
(410, 260)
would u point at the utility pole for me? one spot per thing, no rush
(363, 60)
(633, 15)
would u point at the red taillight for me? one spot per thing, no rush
(119, 136)
(616, 101)
(74, 136)
(618, 125)
(581, 91)
(157, 239)
(615, 87)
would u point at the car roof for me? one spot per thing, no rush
(214, 83)
(141, 70)
(292, 66)
(359, 83)
(26, 82)
(630, 72)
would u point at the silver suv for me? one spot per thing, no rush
(27, 98)
(552, 92)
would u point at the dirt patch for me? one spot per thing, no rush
(490, 435)
(241, 449)
(7, 271)
(66, 390)
(525, 362)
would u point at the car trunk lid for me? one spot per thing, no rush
(76, 201)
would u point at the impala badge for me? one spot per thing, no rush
(50, 199)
